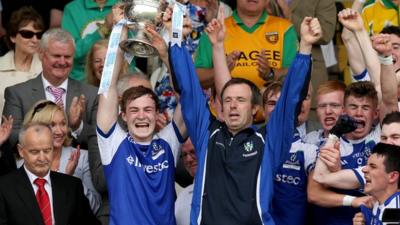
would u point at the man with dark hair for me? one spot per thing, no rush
(139, 165)
(382, 175)
(232, 155)
(59, 197)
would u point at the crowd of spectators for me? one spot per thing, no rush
(240, 122)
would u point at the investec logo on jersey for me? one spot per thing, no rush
(250, 58)
(134, 161)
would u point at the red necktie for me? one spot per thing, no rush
(43, 200)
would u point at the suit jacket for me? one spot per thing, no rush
(21, 97)
(18, 205)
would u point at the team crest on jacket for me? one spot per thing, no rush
(272, 37)
(248, 146)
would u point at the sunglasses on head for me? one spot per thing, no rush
(41, 106)
(29, 34)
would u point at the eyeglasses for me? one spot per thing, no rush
(332, 105)
(29, 34)
(41, 106)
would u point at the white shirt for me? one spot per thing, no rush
(183, 205)
(32, 177)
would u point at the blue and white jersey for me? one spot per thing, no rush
(374, 216)
(354, 154)
(289, 203)
(140, 178)
(315, 137)
(360, 176)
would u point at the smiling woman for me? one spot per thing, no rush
(21, 63)
(66, 159)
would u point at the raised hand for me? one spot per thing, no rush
(73, 161)
(382, 44)
(76, 111)
(310, 30)
(216, 29)
(331, 157)
(263, 65)
(351, 19)
(231, 59)
(156, 40)
(5, 128)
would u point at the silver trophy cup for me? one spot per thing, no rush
(138, 13)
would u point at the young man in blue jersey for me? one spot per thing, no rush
(382, 182)
(139, 165)
(232, 155)
(290, 182)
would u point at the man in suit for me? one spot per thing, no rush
(34, 194)
(79, 100)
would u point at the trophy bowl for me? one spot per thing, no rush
(138, 13)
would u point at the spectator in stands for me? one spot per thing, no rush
(78, 100)
(88, 21)
(66, 159)
(377, 14)
(22, 62)
(59, 197)
(95, 62)
(277, 40)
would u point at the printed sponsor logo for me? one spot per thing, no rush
(288, 179)
(272, 37)
(134, 161)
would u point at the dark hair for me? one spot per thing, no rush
(20, 18)
(255, 92)
(137, 92)
(362, 89)
(391, 30)
(271, 87)
(393, 117)
(391, 154)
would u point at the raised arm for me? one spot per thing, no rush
(383, 45)
(216, 34)
(343, 179)
(352, 20)
(353, 49)
(107, 112)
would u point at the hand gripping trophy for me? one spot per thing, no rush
(138, 13)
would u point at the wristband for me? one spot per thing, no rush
(362, 1)
(347, 200)
(386, 60)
